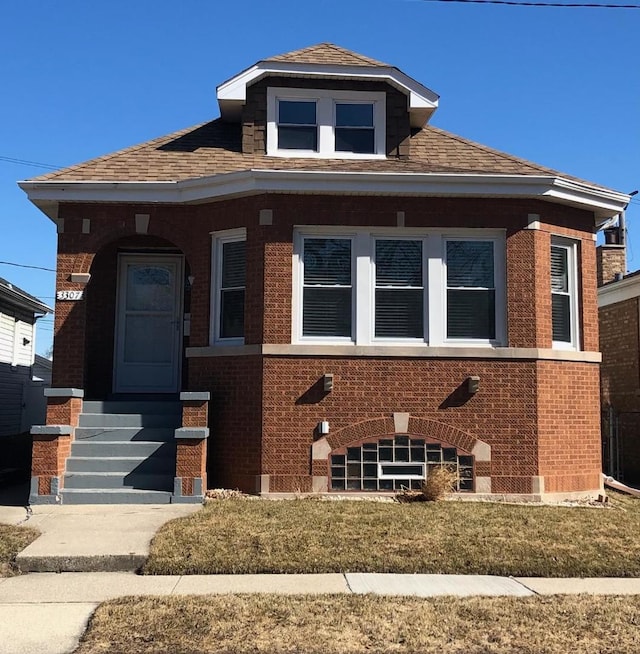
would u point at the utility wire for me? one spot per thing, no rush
(26, 162)
(23, 265)
(514, 3)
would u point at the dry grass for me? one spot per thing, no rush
(348, 624)
(13, 540)
(440, 482)
(306, 536)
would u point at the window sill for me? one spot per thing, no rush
(310, 154)
(381, 351)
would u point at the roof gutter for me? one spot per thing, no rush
(605, 203)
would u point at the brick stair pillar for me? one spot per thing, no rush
(52, 443)
(190, 482)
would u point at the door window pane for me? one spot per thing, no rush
(149, 288)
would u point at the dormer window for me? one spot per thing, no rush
(355, 131)
(297, 125)
(324, 123)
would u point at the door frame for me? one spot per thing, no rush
(125, 258)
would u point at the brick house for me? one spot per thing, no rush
(619, 313)
(358, 295)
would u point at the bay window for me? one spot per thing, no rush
(367, 287)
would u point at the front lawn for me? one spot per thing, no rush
(12, 540)
(348, 624)
(312, 536)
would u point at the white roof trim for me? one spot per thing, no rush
(614, 292)
(603, 202)
(232, 94)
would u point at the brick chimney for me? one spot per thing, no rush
(611, 258)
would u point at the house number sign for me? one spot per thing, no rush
(69, 295)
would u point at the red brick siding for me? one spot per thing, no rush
(503, 413)
(235, 418)
(569, 425)
(620, 378)
(620, 346)
(263, 412)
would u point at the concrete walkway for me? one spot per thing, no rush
(48, 612)
(88, 554)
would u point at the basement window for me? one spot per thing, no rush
(397, 463)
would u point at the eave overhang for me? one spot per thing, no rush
(15, 297)
(421, 101)
(604, 203)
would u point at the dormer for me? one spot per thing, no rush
(326, 102)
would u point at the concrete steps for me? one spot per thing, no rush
(124, 452)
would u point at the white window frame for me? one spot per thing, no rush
(396, 464)
(434, 276)
(571, 247)
(218, 241)
(325, 118)
(498, 287)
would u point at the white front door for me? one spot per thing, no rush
(148, 336)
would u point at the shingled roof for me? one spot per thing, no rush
(215, 148)
(326, 53)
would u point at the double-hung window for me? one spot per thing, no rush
(229, 266)
(471, 295)
(354, 127)
(368, 287)
(399, 289)
(297, 125)
(564, 293)
(325, 123)
(327, 288)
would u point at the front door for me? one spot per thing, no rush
(148, 324)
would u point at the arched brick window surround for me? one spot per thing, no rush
(403, 424)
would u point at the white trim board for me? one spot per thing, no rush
(614, 292)
(605, 203)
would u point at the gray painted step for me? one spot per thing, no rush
(114, 496)
(132, 406)
(128, 420)
(123, 464)
(106, 449)
(117, 480)
(157, 434)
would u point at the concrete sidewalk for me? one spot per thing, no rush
(90, 538)
(87, 554)
(48, 612)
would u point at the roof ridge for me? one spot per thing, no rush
(353, 53)
(105, 157)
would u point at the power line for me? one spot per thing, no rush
(26, 162)
(513, 3)
(23, 265)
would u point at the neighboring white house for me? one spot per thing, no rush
(21, 398)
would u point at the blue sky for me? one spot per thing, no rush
(558, 86)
